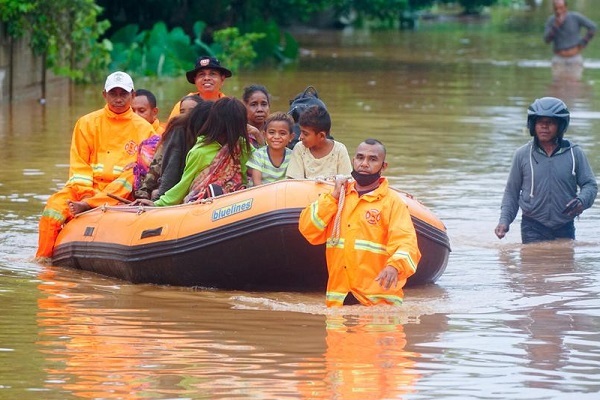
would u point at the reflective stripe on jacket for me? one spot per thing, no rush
(103, 144)
(376, 230)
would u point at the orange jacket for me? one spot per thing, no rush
(175, 110)
(375, 231)
(103, 144)
(158, 127)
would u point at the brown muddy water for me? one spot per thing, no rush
(505, 321)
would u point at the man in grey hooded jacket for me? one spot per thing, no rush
(544, 178)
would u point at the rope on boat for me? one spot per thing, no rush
(335, 235)
(207, 200)
(139, 208)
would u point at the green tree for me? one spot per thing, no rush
(216, 14)
(160, 52)
(244, 13)
(64, 32)
(13, 15)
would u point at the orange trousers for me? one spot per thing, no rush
(55, 214)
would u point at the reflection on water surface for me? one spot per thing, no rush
(504, 321)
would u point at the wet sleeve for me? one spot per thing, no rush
(122, 187)
(316, 217)
(402, 243)
(81, 173)
(550, 30)
(588, 187)
(591, 29)
(586, 22)
(510, 200)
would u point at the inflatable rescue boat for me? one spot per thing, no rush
(246, 240)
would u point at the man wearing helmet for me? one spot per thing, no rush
(563, 31)
(544, 178)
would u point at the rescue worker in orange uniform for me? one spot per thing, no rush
(208, 75)
(376, 250)
(104, 142)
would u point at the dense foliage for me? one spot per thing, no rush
(159, 37)
(244, 13)
(160, 52)
(238, 32)
(65, 32)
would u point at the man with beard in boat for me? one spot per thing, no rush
(104, 142)
(371, 243)
(544, 177)
(563, 31)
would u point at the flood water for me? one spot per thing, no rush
(505, 321)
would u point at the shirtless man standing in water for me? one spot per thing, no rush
(563, 30)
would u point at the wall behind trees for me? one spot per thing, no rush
(61, 36)
(20, 70)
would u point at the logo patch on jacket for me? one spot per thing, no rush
(373, 216)
(131, 147)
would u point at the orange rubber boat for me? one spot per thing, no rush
(246, 240)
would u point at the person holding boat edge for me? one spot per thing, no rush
(377, 249)
(544, 177)
(104, 142)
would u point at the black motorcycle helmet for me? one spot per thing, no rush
(548, 107)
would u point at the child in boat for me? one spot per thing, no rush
(269, 163)
(316, 155)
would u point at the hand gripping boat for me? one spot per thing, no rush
(246, 240)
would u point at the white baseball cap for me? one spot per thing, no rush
(118, 79)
